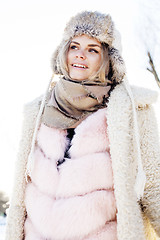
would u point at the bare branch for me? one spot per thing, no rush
(153, 71)
(149, 70)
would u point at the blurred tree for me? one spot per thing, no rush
(148, 28)
(152, 68)
(4, 203)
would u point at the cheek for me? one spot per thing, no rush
(96, 62)
(99, 59)
(70, 57)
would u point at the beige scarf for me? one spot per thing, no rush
(72, 101)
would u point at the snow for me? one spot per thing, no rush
(2, 227)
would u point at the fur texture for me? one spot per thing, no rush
(77, 199)
(107, 232)
(30, 231)
(54, 138)
(70, 218)
(78, 171)
(99, 124)
(132, 222)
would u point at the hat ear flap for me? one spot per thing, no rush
(117, 41)
(55, 62)
(117, 64)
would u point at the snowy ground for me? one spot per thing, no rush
(2, 227)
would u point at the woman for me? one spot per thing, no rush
(89, 150)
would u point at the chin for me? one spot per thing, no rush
(77, 77)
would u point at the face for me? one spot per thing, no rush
(84, 57)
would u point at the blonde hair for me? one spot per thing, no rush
(102, 72)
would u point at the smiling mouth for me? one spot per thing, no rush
(79, 66)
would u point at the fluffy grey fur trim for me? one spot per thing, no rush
(93, 24)
(101, 27)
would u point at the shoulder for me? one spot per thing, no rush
(31, 109)
(34, 104)
(30, 112)
(142, 96)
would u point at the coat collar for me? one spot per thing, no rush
(124, 162)
(143, 96)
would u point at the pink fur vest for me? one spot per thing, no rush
(76, 199)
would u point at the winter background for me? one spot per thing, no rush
(30, 30)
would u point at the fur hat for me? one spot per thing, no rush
(101, 27)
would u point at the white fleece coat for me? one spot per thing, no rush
(135, 220)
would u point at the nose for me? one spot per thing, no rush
(81, 55)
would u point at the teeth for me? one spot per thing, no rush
(79, 65)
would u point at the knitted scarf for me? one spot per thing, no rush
(71, 101)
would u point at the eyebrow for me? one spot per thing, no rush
(90, 45)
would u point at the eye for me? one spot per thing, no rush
(93, 50)
(73, 47)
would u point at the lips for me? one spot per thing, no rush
(78, 65)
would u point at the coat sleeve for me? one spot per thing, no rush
(151, 163)
(17, 212)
